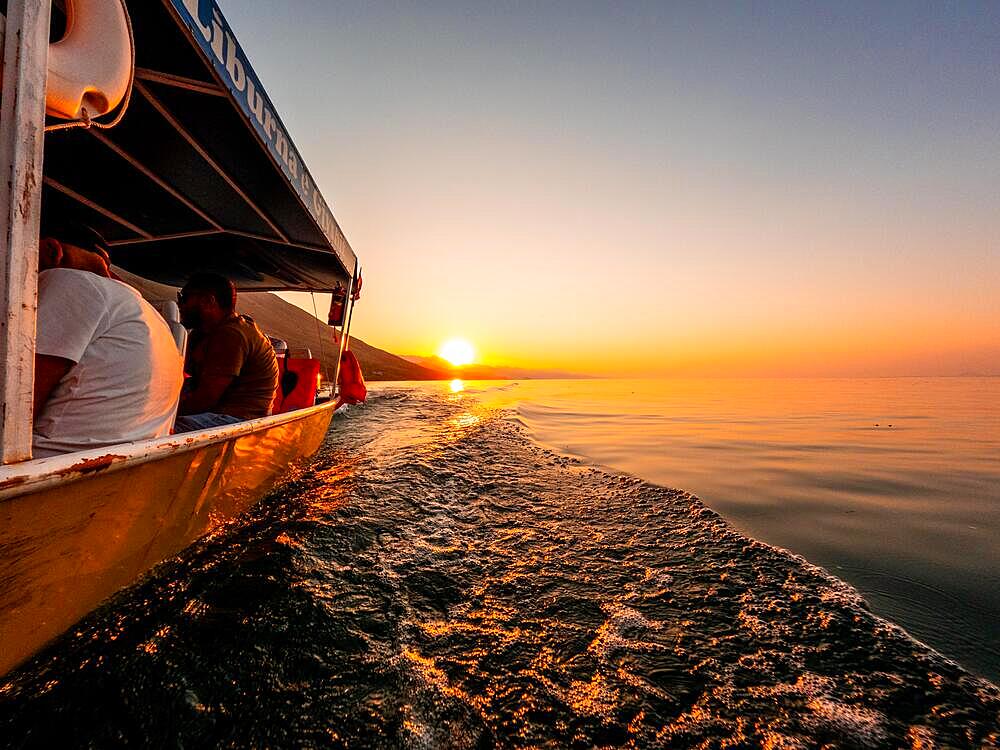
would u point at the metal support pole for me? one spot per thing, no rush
(22, 133)
(345, 329)
(350, 310)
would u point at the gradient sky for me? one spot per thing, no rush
(657, 188)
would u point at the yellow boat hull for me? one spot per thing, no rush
(76, 529)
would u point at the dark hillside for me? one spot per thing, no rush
(302, 331)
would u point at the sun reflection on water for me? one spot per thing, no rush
(457, 386)
(464, 420)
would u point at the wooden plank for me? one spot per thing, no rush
(181, 82)
(223, 230)
(22, 133)
(163, 184)
(161, 237)
(93, 206)
(206, 157)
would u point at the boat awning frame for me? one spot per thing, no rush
(201, 173)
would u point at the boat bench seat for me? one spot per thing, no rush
(171, 313)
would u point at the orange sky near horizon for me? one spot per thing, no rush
(707, 341)
(662, 189)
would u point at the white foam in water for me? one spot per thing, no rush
(863, 726)
(611, 635)
(909, 515)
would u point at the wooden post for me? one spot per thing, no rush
(22, 133)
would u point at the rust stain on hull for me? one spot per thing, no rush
(87, 466)
(14, 481)
(91, 465)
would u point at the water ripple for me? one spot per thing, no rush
(464, 588)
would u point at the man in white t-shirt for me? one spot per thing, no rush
(107, 369)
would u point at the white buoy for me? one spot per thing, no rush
(90, 68)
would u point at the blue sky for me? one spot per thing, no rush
(706, 187)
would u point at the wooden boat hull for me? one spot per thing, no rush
(75, 529)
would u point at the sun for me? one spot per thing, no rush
(457, 352)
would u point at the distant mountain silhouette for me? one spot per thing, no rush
(487, 372)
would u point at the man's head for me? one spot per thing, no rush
(74, 245)
(206, 299)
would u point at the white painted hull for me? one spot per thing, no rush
(75, 529)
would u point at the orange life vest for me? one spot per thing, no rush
(352, 383)
(298, 383)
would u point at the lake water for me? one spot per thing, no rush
(439, 577)
(891, 484)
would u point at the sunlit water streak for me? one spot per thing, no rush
(438, 580)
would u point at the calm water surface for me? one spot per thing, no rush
(891, 484)
(436, 578)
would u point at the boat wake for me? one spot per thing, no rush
(438, 580)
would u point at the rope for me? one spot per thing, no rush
(319, 332)
(86, 122)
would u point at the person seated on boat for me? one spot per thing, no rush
(231, 363)
(107, 370)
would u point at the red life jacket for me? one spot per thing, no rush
(352, 383)
(298, 383)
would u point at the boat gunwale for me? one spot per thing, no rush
(26, 477)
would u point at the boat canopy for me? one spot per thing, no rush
(200, 173)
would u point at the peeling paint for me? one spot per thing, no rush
(14, 481)
(28, 191)
(91, 465)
